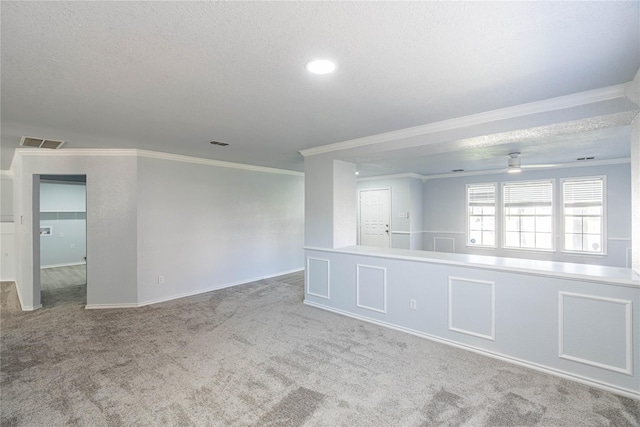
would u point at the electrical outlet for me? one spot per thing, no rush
(61, 234)
(160, 279)
(73, 246)
(412, 304)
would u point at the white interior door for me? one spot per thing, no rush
(374, 218)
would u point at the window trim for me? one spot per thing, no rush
(603, 253)
(496, 215)
(554, 216)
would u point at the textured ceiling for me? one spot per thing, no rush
(171, 76)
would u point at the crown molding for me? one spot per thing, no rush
(632, 89)
(219, 163)
(78, 152)
(586, 164)
(394, 176)
(552, 104)
(131, 152)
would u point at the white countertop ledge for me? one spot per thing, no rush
(584, 272)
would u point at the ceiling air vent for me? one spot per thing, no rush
(221, 144)
(52, 144)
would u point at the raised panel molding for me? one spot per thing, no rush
(484, 314)
(599, 344)
(318, 278)
(371, 288)
(446, 244)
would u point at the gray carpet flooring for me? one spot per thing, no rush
(255, 355)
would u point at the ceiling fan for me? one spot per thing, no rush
(514, 164)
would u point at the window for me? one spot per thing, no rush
(583, 208)
(528, 215)
(481, 215)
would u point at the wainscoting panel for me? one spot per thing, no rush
(444, 244)
(596, 331)
(371, 288)
(318, 277)
(472, 307)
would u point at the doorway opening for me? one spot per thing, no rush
(375, 217)
(63, 240)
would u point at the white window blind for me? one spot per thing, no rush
(482, 195)
(539, 193)
(583, 208)
(583, 193)
(481, 215)
(528, 215)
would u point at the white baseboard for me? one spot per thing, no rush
(215, 288)
(71, 264)
(22, 306)
(541, 368)
(108, 306)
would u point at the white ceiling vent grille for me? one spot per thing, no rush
(27, 141)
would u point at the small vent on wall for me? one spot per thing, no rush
(27, 141)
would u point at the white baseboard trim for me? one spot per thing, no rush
(108, 306)
(215, 288)
(71, 264)
(22, 306)
(531, 365)
(188, 294)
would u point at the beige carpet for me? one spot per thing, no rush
(255, 355)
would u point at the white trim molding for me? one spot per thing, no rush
(131, 152)
(211, 162)
(112, 306)
(394, 176)
(582, 164)
(537, 107)
(384, 288)
(308, 281)
(492, 308)
(628, 369)
(453, 243)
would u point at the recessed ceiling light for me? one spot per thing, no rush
(320, 66)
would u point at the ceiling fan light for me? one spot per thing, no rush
(514, 170)
(514, 160)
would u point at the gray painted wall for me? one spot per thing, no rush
(6, 199)
(330, 215)
(204, 227)
(111, 224)
(445, 212)
(318, 222)
(7, 227)
(200, 226)
(63, 208)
